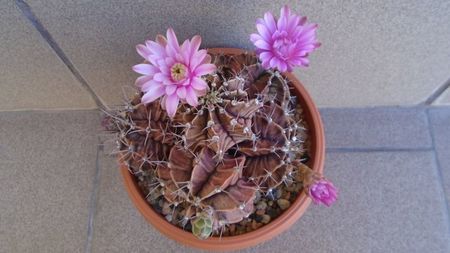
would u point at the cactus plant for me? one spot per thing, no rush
(217, 143)
(210, 162)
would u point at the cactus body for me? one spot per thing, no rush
(245, 138)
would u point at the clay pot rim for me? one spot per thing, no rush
(266, 232)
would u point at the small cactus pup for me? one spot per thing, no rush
(202, 226)
(218, 143)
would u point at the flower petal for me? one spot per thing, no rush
(145, 69)
(160, 77)
(185, 52)
(170, 89)
(142, 79)
(160, 39)
(265, 56)
(143, 51)
(292, 23)
(172, 40)
(270, 22)
(156, 49)
(282, 66)
(262, 44)
(274, 62)
(285, 12)
(262, 29)
(207, 59)
(255, 37)
(198, 83)
(197, 58)
(181, 92)
(149, 84)
(205, 69)
(195, 44)
(152, 94)
(172, 104)
(191, 97)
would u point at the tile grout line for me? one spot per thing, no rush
(438, 171)
(93, 200)
(436, 93)
(29, 15)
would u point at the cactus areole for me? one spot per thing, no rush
(232, 171)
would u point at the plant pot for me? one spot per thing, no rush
(272, 229)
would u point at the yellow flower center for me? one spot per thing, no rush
(178, 72)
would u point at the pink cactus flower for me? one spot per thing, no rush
(286, 42)
(172, 71)
(323, 191)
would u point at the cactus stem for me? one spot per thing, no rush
(215, 138)
(269, 193)
(151, 191)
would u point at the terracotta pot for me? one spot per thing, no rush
(275, 227)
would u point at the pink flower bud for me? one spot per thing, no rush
(323, 191)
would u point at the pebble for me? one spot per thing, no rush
(261, 205)
(169, 217)
(291, 188)
(232, 228)
(257, 196)
(157, 207)
(270, 203)
(166, 209)
(286, 195)
(260, 212)
(256, 225)
(283, 204)
(277, 194)
(265, 219)
(259, 218)
(272, 212)
(298, 187)
(243, 222)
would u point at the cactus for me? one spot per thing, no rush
(202, 226)
(245, 138)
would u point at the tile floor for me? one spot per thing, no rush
(60, 192)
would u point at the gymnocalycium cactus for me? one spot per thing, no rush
(207, 139)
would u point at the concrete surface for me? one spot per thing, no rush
(373, 52)
(31, 74)
(47, 165)
(444, 99)
(440, 128)
(58, 195)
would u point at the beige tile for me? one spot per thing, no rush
(118, 226)
(378, 52)
(379, 210)
(31, 74)
(47, 164)
(376, 128)
(373, 53)
(440, 125)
